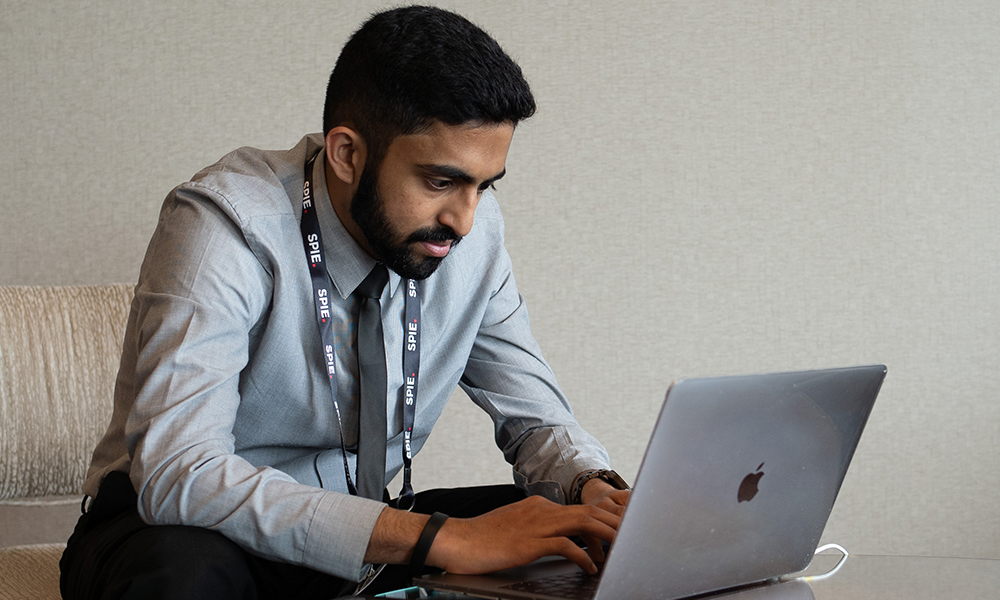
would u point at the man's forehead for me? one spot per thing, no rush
(471, 150)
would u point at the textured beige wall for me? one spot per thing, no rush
(708, 188)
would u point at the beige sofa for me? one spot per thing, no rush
(59, 351)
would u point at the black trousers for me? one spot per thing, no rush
(114, 554)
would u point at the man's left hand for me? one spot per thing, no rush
(603, 495)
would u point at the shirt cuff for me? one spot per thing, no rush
(339, 534)
(556, 491)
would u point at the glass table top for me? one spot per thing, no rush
(862, 577)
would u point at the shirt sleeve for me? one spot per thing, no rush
(202, 291)
(507, 377)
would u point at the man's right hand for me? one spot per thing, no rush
(519, 533)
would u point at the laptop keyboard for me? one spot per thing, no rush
(576, 586)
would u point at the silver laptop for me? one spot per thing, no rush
(736, 486)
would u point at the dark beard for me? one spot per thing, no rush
(388, 245)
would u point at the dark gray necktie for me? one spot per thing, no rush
(372, 369)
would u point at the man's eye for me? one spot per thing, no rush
(439, 184)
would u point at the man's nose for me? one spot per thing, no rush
(459, 214)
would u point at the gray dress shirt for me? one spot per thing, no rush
(223, 414)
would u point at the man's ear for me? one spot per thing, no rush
(346, 153)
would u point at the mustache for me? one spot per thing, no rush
(435, 235)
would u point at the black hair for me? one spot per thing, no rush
(408, 67)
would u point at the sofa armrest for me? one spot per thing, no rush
(30, 572)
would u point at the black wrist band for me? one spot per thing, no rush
(423, 547)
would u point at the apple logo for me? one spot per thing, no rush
(748, 487)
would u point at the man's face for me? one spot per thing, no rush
(420, 200)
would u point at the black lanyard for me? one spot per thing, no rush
(313, 241)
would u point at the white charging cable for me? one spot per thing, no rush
(829, 573)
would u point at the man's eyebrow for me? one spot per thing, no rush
(495, 178)
(451, 172)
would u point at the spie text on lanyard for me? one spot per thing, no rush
(313, 241)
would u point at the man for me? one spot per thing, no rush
(241, 459)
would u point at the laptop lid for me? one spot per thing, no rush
(736, 485)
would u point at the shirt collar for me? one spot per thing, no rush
(346, 262)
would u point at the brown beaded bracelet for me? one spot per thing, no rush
(608, 475)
